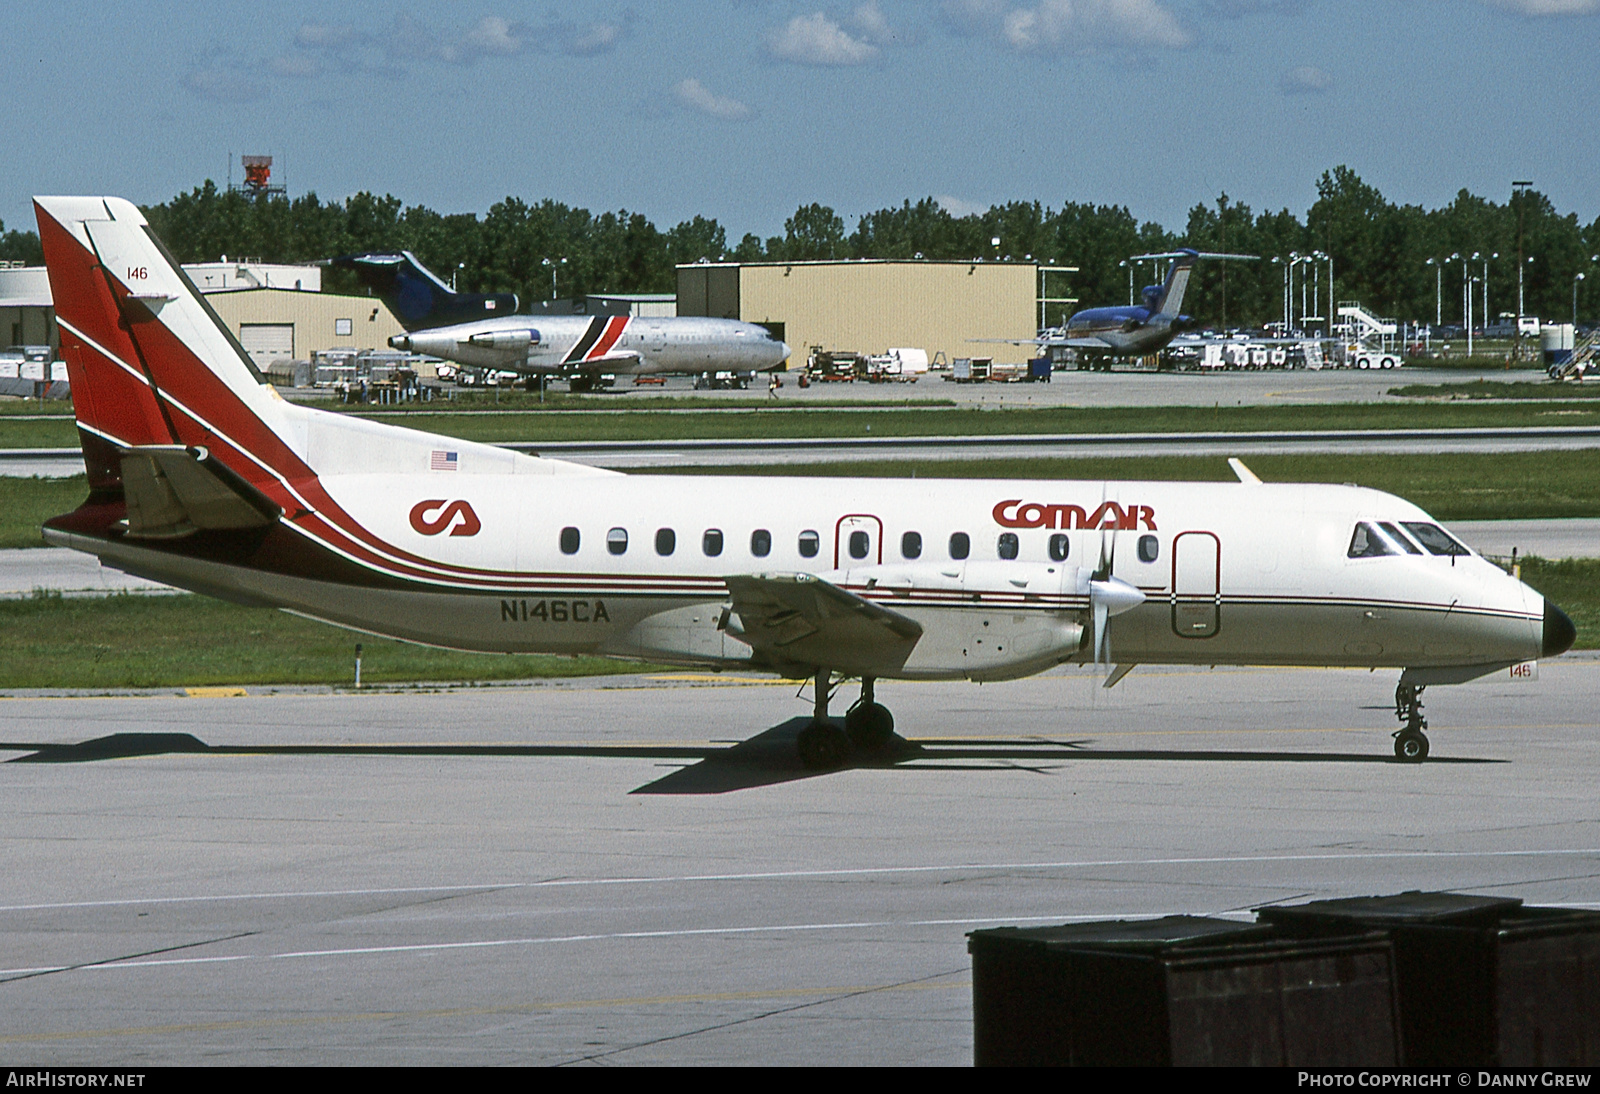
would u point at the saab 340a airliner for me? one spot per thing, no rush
(482, 332)
(200, 476)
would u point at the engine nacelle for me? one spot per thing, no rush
(505, 339)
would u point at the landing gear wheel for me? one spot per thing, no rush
(1411, 747)
(870, 725)
(823, 745)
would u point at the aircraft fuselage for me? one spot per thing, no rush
(573, 344)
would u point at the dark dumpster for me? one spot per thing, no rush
(1484, 981)
(1183, 990)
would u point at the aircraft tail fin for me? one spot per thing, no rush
(1171, 302)
(149, 361)
(417, 297)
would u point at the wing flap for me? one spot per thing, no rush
(802, 620)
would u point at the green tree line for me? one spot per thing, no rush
(1379, 250)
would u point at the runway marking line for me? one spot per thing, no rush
(786, 875)
(473, 1012)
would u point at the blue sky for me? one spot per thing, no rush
(743, 109)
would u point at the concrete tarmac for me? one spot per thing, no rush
(581, 872)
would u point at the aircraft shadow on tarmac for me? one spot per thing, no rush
(764, 760)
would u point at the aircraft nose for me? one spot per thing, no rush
(783, 354)
(1559, 633)
(400, 342)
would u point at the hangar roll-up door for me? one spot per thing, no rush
(267, 342)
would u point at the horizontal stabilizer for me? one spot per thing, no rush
(173, 491)
(801, 620)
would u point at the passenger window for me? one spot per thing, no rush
(911, 545)
(617, 541)
(666, 541)
(1435, 539)
(809, 544)
(1007, 545)
(1399, 537)
(859, 543)
(1059, 547)
(1368, 542)
(569, 541)
(761, 543)
(711, 542)
(1149, 548)
(960, 545)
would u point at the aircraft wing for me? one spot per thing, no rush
(802, 620)
(1071, 343)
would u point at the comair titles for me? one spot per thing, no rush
(1108, 516)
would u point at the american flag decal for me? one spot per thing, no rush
(443, 461)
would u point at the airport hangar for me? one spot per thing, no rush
(871, 305)
(864, 305)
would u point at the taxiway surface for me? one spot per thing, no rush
(580, 872)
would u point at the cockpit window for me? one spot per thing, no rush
(1435, 539)
(1399, 537)
(1368, 542)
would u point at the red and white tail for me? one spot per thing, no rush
(149, 362)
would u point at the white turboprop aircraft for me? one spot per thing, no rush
(202, 477)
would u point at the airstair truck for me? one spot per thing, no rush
(1366, 340)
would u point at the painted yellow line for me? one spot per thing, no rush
(470, 1012)
(216, 692)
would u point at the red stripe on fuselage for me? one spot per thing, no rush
(613, 331)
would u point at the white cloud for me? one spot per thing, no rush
(496, 36)
(818, 40)
(1536, 8)
(692, 93)
(1071, 26)
(1305, 80)
(594, 38)
(960, 207)
(869, 24)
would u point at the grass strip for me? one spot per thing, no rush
(141, 641)
(936, 421)
(1543, 390)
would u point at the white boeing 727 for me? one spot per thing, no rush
(202, 477)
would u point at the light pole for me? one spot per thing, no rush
(1466, 298)
(1519, 190)
(1125, 264)
(1575, 279)
(1486, 314)
(1438, 290)
(1277, 260)
(553, 264)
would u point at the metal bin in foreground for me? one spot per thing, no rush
(1182, 990)
(1484, 981)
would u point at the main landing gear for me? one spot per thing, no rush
(868, 726)
(1410, 743)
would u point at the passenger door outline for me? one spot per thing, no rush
(1196, 595)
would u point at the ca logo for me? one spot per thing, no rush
(469, 525)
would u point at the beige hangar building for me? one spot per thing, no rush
(872, 305)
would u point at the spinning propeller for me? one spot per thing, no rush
(1108, 596)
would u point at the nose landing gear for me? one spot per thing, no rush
(1410, 742)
